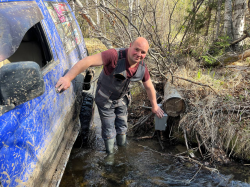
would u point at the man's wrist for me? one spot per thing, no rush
(69, 77)
(154, 105)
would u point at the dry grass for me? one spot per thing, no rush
(94, 45)
(221, 123)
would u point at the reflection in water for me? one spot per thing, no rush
(135, 165)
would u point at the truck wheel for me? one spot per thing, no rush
(85, 119)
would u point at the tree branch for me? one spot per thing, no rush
(196, 83)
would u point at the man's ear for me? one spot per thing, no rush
(130, 44)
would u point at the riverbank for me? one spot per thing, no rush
(217, 118)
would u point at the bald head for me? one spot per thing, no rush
(142, 41)
(137, 50)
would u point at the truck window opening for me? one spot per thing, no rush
(33, 47)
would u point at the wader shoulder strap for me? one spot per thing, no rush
(121, 53)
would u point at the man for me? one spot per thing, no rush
(112, 94)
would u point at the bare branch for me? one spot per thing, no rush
(196, 83)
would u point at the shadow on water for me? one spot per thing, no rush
(135, 165)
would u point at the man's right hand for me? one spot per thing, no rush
(158, 111)
(62, 84)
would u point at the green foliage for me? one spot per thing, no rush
(228, 97)
(223, 42)
(200, 19)
(199, 74)
(216, 50)
(209, 70)
(213, 5)
(213, 75)
(247, 90)
(241, 97)
(209, 60)
(196, 21)
(219, 47)
(199, 22)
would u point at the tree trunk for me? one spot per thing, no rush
(173, 103)
(218, 19)
(130, 5)
(97, 13)
(137, 11)
(228, 20)
(248, 6)
(163, 17)
(87, 5)
(209, 15)
(239, 20)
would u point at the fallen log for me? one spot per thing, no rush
(233, 57)
(173, 103)
(244, 55)
(243, 37)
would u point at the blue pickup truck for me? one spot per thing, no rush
(39, 42)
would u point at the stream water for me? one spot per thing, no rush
(137, 165)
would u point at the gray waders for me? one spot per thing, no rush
(121, 139)
(114, 123)
(112, 99)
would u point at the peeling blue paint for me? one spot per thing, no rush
(28, 129)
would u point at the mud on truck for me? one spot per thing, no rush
(39, 42)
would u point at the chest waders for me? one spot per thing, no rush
(112, 99)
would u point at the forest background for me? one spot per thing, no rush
(199, 46)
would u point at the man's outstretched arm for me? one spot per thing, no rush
(152, 97)
(64, 82)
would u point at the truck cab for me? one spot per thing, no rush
(39, 42)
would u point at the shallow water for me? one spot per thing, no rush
(137, 165)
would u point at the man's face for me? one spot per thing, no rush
(137, 51)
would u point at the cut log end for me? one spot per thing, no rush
(173, 103)
(174, 106)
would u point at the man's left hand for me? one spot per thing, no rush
(158, 111)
